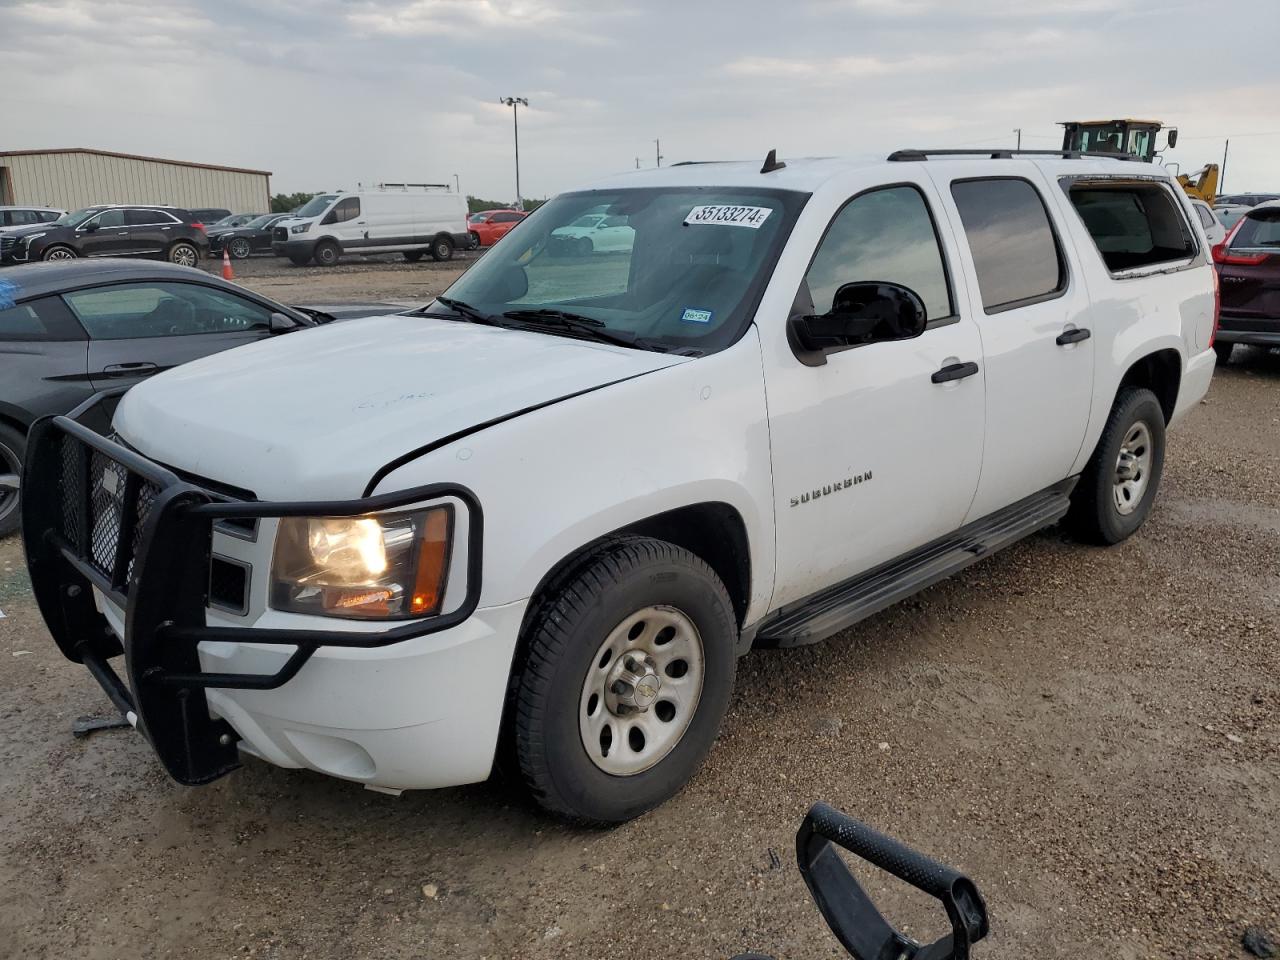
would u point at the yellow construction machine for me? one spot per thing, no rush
(1137, 138)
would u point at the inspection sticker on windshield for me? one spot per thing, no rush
(691, 315)
(728, 215)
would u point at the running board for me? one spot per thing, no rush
(828, 612)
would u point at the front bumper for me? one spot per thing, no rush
(1261, 332)
(119, 551)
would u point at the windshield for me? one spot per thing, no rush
(258, 223)
(316, 205)
(682, 267)
(477, 217)
(76, 218)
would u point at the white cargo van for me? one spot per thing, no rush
(412, 219)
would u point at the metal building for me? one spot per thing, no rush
(78, 177)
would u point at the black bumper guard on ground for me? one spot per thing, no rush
(97, 514)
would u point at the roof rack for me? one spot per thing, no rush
(1000, 153)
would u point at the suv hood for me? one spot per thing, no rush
(30, 228)
(313, 414)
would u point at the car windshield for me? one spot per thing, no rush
(316, 205)
(230, 221)
(677, 267)
(477, 217)
(77, 217)
(258, 223)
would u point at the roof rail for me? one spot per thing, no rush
(1000, 153)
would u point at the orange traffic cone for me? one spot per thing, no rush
(227, 272)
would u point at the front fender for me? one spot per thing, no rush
(563, 475)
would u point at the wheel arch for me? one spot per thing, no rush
(1160, 372)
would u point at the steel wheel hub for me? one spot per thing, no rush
(1133, 468)
(641, 691)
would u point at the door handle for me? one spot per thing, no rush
(142, 369)
(1072, 336)
(955, 371)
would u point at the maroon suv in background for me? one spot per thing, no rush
(1248, 263)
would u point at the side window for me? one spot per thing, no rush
(1133, 224)
(131, 311)
(348, 209)
(141, 218)
(48, 216)
(1014, 249)
(111, 218)
(43, 319)
(1206, 218)
(506, 217)
(889, 235)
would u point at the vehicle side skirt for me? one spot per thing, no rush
(841, 606)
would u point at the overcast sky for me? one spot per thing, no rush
(326, 93)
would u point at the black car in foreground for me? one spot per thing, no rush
(245, 239)
(117, 230)
(70, 329)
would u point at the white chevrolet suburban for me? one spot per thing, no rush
(539, 520)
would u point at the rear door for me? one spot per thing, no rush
(150, 231)
(1033, 316)
(137, 330)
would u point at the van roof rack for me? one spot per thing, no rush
(1001, 153)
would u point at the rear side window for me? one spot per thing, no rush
(1206, 218)
(1258, 233)
(886, 234)
(1015, 251)
(43, 319)
(1133, 224)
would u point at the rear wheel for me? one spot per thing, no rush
(625, 673)
(1119, 485)
(13, 450)
(184, 254)
(326, 253)
(240, 248)
(442, 249)
(1223, 350)
(58, 253)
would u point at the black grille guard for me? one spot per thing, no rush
(144, 540)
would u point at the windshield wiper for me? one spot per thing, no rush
(466, 311)
(589, 327)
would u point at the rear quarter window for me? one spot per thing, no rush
(1133, 224)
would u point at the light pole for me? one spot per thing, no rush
(457, 184)
(657, 151)
(515, 103)
(1018, 131)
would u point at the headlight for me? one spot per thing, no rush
(300, 228)
(386, 566)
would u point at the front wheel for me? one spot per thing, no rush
(1119, 484)
(326, 253)
(57, 254)
(240, 248)
(626, 669)
(184, 254)
(442, 249)
(13, 449)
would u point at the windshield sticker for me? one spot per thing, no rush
(728, 215)
(8, 294)
(691, 315)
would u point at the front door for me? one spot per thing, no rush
(137, 330)
(1034, 318)
(871, 456)
(104, 235)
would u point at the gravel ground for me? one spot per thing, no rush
(384, 278)
(1094, 735)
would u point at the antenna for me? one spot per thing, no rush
(772, 163)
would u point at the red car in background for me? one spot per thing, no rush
(1248, 263)
(489, 226)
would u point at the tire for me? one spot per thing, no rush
(582, 630)
(412, 256)
(239, 248)
(326, 253)
(59, 252)
(298, 260)
(584, 247)
(441, 249)
(184, 254)
(1223, 350)
(13, 450)
(1135, 426)
(475, 240)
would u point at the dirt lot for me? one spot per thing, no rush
(376, 279)
(1093, 734)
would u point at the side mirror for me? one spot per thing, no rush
(91, 226)
(1173, 138)
(861, 313)
(330, 217)
(282, 323)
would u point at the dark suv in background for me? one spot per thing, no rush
(1248, 263)
(118, 230)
